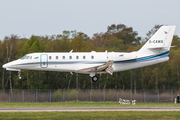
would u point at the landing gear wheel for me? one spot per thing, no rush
(19, 75)
(94, 78)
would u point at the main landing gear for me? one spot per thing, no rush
(94, 78)
(19, 75)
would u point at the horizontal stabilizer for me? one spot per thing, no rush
(156, 47)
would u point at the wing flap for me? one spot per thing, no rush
(109, 70)
(98, 69)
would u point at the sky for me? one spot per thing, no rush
(51, 17)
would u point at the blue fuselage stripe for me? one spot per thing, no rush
(153, 57)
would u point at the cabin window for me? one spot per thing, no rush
(63, 57)
(56, 57)
(77, 57)
(36, 57)
(84, 57)
(31, 57)
(92, 57)
(70, 57)
(50, 57)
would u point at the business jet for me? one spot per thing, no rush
(155, 50)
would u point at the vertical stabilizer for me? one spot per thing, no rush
(160, 42)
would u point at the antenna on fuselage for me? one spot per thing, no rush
(71, 51)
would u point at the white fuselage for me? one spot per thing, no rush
(74, 61)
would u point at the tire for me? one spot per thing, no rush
(94, 78)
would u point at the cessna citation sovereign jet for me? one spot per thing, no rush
(154, 51)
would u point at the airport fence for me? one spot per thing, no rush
(62, 95)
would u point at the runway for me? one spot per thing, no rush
(83, 109)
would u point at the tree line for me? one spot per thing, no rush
(117, 38)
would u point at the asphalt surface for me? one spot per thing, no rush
(63, 109)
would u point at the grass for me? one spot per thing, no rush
(103, 115)
(130, 115)
(82, 104)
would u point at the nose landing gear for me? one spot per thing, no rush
(19, 75)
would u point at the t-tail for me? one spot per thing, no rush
(160, 42)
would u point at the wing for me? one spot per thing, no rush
(105, 68)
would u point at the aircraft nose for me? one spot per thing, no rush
(6, 65)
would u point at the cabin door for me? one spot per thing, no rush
(44, 61)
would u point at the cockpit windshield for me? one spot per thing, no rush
(26, 57)
(23, 57)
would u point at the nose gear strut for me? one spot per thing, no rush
(19, 75)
